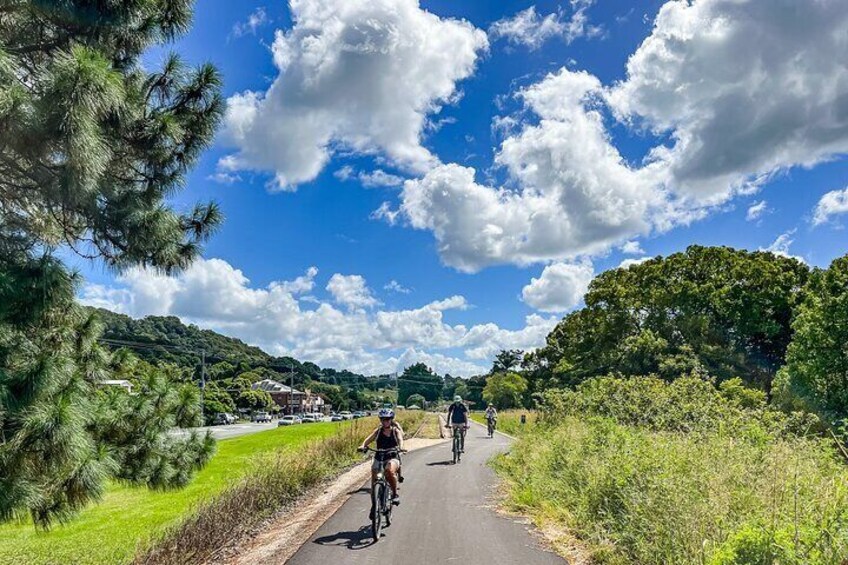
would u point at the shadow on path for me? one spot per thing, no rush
(360, 490)
(359, 539)
(434, 463)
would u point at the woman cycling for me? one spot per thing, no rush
(389, 437)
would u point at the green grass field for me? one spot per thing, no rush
(129, 517)
(509, 421)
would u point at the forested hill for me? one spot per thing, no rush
(166, 339)
(186, 341)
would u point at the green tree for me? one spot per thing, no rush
(419, 379)
(461, 389)
(92, 146)
(710, 310)
(507, 360)
(216, 401)
(254, 400)
(416, 400)
(505, 390)
(815, 376)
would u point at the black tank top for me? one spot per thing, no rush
(386, 442)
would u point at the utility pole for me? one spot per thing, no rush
(291, 388)
(202, 385)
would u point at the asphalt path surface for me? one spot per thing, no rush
(445, 516)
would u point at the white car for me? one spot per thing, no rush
(346, 415)
(319, 417)
(309, 419)
(262, 417)
(289, 421)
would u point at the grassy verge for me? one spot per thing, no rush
(129, 519)
(275, 481)
(509, 421)
(430, 427)
(725, 487)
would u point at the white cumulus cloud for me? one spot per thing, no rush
(735, 90)
(530, 29)
(357, 74)
(831, 204)
(351, 291)
(560, 287)
(756, 210)
(781, 245)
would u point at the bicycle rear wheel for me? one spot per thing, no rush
(455, 448)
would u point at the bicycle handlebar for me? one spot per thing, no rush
(366, 449)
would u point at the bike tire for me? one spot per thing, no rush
(377, 520)
(455, 449)
(387, 507)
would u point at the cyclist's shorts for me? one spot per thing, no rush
(379, 465)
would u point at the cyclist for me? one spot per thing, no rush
(458, 416)
(389, 436)
(491, 415)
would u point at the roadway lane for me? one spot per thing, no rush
(233, 430)
(445, 516)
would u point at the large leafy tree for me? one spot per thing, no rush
(505, 389)
(91, 145)
(815, 376)
(419, 379)
(710, 310)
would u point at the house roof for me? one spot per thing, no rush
(270, 385)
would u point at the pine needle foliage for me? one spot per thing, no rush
(91, 147)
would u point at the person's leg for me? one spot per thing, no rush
(391, 476)
(462, 439)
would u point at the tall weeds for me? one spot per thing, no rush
(728, 487)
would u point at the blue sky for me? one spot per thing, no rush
(604, 154)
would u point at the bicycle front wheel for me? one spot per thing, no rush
(377, 518)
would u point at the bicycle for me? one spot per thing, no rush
(380, 502)
(490, 425)
(457, 443)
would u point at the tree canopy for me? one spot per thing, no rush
(708, 311)
(815, 376)
(419, 379)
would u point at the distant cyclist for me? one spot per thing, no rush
(491, 417)
(458, 417)
(389, 438)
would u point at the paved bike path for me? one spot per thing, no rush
(445, 516)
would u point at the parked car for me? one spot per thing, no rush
(308, 419)
(289, 421)
(262, 417)
(319, 417)
(346, 415)
(223, 419)
(359, 414)
(336, 418)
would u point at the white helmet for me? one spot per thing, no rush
(386, 413)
